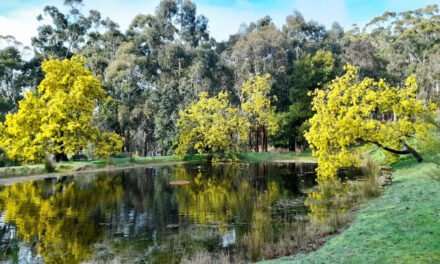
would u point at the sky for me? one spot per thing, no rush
(18, 17)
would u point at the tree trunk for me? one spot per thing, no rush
(265, 139)
(256, 141)
(407, 150)
(145, 152)
(250, 142)
(127, 141)
(413, 152)
(61, 157)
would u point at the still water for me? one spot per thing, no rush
(137, 216)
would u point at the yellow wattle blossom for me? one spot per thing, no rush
(211, 124)
(57, 118)
(256, 103)
(350, 113)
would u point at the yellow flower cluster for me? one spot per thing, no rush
(351, 113)
(57, 118)
(211, 124)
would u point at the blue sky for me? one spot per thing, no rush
(17, 17)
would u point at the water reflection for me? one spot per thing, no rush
(324, 203)
(332, 198)
(54, 218)
(70, 220)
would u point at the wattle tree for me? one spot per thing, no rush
(211, 125)
(57, 117)
(350, 113)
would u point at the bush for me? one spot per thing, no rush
(48, 166)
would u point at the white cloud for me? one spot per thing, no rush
(22, 24)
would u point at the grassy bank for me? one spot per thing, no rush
(401, 226)
(71, 166)
(261, 157)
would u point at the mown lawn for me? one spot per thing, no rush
(401, 226)
(268, 156)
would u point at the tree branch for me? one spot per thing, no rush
(407, 150)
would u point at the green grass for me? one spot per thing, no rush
(267, 156)
(401, 226)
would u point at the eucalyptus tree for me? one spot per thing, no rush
(66, 33)
(303, 36)
(409, 41)
(261, 49)
(17, 73)
(128, 87)
(361, 53)
(102, 46)
(177, 60)
(11, 65)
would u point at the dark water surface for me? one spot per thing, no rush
(137, 216)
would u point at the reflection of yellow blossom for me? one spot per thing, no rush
(328, 201)
(221, 200)
(62, 221)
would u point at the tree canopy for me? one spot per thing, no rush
(351, 113)
(57, 118)
(256, 104)
(211, 125)
(162, 62)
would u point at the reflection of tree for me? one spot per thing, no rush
(148, 202)
(329, 203)
(243, 195)
(58, 217)
(226, 194)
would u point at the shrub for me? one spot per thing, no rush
(48, 166)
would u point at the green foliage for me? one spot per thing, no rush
(408, 43)
(166, 59)
(261, 49)
(309, 73)
(11, 79)
(65, 33)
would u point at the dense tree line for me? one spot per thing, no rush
(163, 61)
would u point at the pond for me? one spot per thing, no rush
(137, 216)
